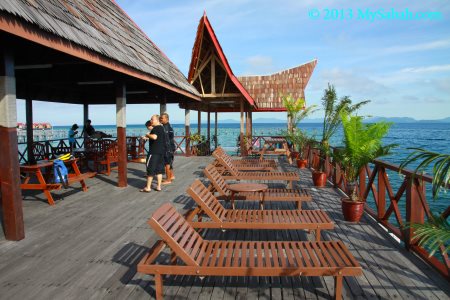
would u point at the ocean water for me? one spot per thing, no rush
(430, 136)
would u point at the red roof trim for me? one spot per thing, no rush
(204, 22)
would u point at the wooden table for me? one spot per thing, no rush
(42, 184)
(248, 187)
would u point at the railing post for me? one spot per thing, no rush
(362, 181)
(337, 171)
(381, 205)
(414, 208)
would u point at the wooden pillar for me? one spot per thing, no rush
(250, 123)
(121, 103)
(209, 127)
(215, 129)
(187, 127)
(199, 121)
(85, 118)
(9, 163)
(162, 108)
(29, 121)
(241, 136)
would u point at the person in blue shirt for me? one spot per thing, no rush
(72, 133)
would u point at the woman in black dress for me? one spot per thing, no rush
(155, 163)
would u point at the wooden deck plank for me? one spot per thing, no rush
(87, 247)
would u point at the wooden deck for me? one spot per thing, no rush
(87, 247)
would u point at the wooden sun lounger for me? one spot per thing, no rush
(200, 257)
(235, 174)
(251, 219)
(244, 164)
(272, 194)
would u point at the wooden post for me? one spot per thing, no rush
(85, 118)
(199, 121)
(162, 108)
(215, 129)
(29, 121)
(381, 205)
(187, 127)
(209, 127)
(121, 103)
(414, 208)
(9, 163)
(250, 123)
(241, 135)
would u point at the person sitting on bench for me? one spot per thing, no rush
(92, 133)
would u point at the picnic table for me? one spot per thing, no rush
(248, 187)
(35, 170)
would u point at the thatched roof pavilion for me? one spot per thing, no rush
(82, 52)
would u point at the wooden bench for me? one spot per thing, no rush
(218, 184)
(251, 219)
(201, 257)
(235, 174)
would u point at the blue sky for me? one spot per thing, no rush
(402, 66)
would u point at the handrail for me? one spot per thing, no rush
(374, 181)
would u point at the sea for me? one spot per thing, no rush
(430, 136)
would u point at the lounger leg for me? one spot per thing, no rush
(299, 205)
(318, 234)
(173, 258)
(159, 287)
(338, 288)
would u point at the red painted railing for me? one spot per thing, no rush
(374, 181)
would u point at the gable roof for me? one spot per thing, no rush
(267, 90)
(205, 28)
(100, 26)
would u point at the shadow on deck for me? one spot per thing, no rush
(88, 246)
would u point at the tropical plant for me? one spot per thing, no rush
(435, 232)
(296, 110)
(441, 167)
(195, 138)
(362, 144)
(332, 119)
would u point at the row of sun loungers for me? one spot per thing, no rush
(191, 254)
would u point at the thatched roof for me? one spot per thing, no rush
(267, 90)
(103, 27)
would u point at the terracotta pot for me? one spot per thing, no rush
(301, 163)
(319, 178)
(352, 210)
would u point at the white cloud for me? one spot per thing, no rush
(259, 65)
(438, 44)
(429, 69)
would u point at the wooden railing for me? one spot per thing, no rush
(388, 198)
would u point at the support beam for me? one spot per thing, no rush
(208, 134)
(187, 127)
(213, 75)
(215, 129)
(29, 121)
(85, 118)
(241, 135)
(250, 117)
(162, 108)
(121, 103)
(199, 121)
(9, 164)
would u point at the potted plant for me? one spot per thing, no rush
(296, 111)
(195, 140)
(362, 143)
(331, 123)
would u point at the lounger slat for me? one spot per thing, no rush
(327, 256)
(304, 255)
(275, 256)
(337, 258)
(312, 255)
(217, 255)
(322, 260)
(207, 256)
(289, 255)
(267, 261)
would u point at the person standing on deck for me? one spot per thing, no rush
(171, 147)
(157, 146)
(72, 133)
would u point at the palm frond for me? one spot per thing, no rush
(425, 158)
(433, 234)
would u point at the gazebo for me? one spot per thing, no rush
(79, 52)
(222, 91)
